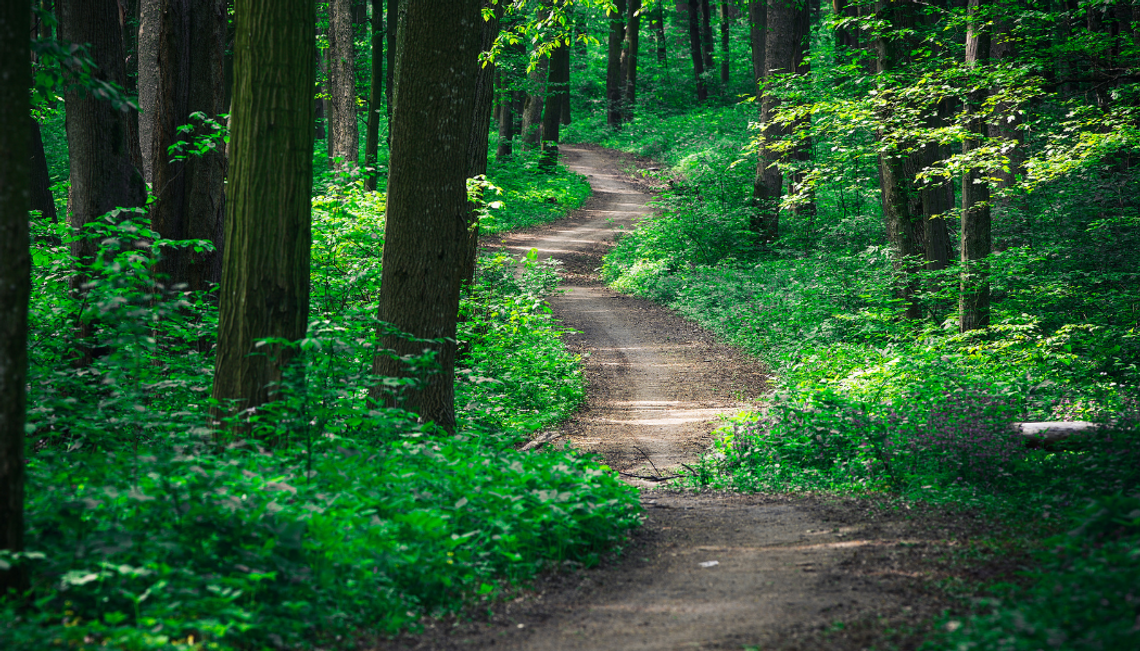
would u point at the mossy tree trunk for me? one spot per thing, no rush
(436, 74)
(265, 276)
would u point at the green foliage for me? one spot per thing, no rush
(146, 531)
(530, 196)
(1082, 595)
(244, 548)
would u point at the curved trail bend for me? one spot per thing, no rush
(705, 571)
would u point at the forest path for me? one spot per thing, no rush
(705, 571)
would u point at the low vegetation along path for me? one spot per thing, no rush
(706, 571)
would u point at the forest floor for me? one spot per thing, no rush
(705, 571)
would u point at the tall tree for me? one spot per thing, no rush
(265, 275)
(724, 39)
(394, 8)
(99, 142)
(15, 278)
(436, 74)
(531, 129)
(376, 93)
(898, 165)
(344, 138)
(974, 297)
(657, 18)
(785, 52)
(477, 143)
(42, 199)
(557, 95)
(150, 17)
(615, 81)
(629, 54)
(707, 41)
(190, 202)
(695, 49)
(757, 32)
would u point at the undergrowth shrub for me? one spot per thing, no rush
(144, 531)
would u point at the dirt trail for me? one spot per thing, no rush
(706, 571)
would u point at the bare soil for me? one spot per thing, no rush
(706, 571)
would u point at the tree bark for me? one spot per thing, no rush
(974, 297)
(394, 7)
(344, 135)
(15, 278)
(532, 106)
(757, 31)
(614, 78)
(436, 75)
(99, 145)
(629, 62)
(557, 94)
(724, 36)
(190, 202)
(265, 279)
(658, 20)
(901, 196)
(372, 138)
(42, 199)
(695, 49)
(785, 52)
(477, 146)
(505, 148)
(150, 16)
(707, 42)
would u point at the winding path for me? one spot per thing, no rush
(706, 571)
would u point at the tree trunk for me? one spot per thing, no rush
(901, 196)
(844, 36)
(785, 52)
(974, 299)
(757, 31)
(695, 49)
(614, 78)
(150, 17)
(477, 145)
(506, 124)
(372, 138)
(658, 20)
(707, 42)
(344, 136)
(532, 106)
(427, 197)
(1003, 46)
(937, 199)
(98, 138)
(557, 94)
(724, 36)
(629, 63)
(190, 203)
(265, 279)
(394, 10)
(42, 199)
(15, 278)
